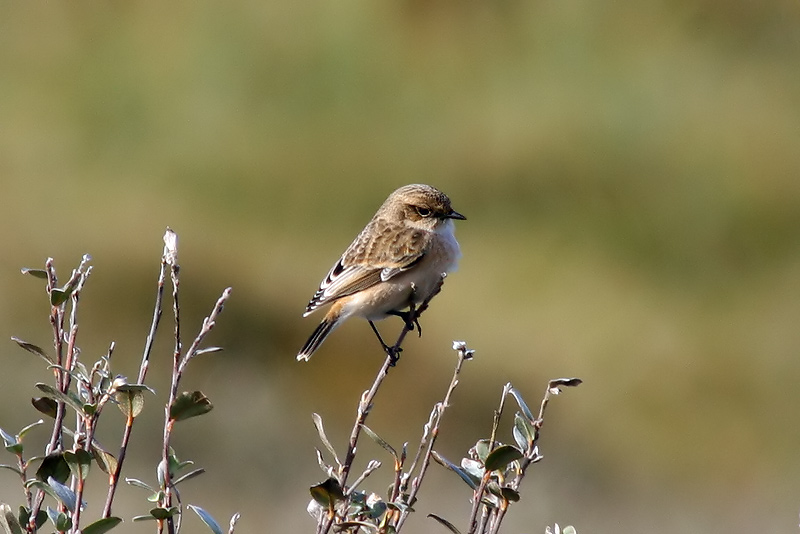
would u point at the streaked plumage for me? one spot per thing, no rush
(409, 243)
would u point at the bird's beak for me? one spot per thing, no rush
(456, 215)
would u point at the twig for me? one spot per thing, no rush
(71, 360)
(435, 422)
(365, 404)
(533, 453)
(171, 253)
(115, 477)
(477, 499)
(61, 368)
(180, 361)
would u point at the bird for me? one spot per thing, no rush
(396, 262)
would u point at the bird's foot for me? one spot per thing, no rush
(411, 318)
(394, 355)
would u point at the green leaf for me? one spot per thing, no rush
(207, 350)
(521, 402)
(501, 457)
(564, 382)
(12, 444)
(175, 465)
(569, 530)
(8, 521)
(67, 398)
(15, 449)
(446, 523)
(523, 431)
(206, 518)
(322, 436)
(380, 441)
(21, 433)
(25, 514)
(473, 468)
(8, 438)
(11, 468)
(377, 509)
(327, 493)
(130, 403)
(481, 449)
(66, 496)
(130, 398)
(138, 518)
(188, 405)
(58, 296)
(30, 347)
(53, 465)
(466, 477)
(38, 484)
(61, 520)
(400, 506)
(509, 494)
(45, 405)
(164, 513)
(79, 372)
(36, 273)
(106, 461)
(189, 475)
(136, 387)
(79, 462)
(101, 526)
(139, 484)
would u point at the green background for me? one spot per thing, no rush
(630, 173)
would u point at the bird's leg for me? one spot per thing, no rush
(411, 317)
(392, 352)
(414, 313)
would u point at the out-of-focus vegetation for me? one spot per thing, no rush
(629, 171)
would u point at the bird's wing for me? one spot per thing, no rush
(378, 253)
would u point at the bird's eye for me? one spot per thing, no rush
(423, 212)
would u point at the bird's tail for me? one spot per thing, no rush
(325, 327)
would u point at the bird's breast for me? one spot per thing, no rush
(414, 285)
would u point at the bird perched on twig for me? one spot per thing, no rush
(397, 261)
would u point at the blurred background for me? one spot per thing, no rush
(630, 175)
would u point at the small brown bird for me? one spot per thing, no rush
(397, 260)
